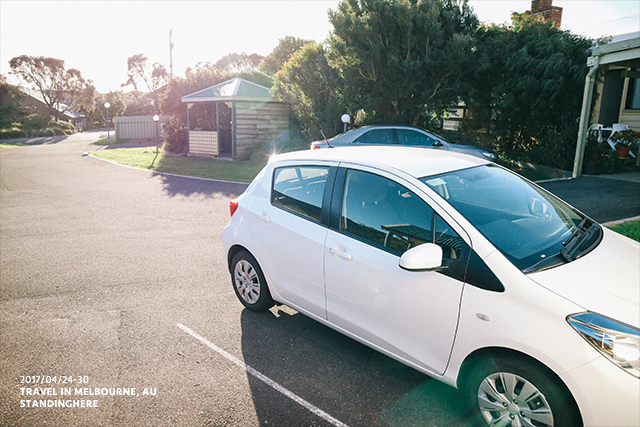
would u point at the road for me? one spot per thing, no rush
(113, 279)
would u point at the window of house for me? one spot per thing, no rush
(300, 189)
(633, 94)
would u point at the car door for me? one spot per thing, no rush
(412, 315)
(288, 234)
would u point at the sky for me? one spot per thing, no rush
(97, 37)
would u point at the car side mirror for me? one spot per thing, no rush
(427, 256)
(438, 144)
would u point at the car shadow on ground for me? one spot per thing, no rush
(41, 140)
(175, 185)
(349, 381)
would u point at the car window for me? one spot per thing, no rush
(383, 213)
(375, 136)
(522, 221)
(300, 189)
(412, 137)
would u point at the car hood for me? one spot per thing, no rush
(605, 281)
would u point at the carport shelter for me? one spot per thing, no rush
(622, 57)
(232, 117)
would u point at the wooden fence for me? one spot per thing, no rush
(138, 127)
(259, 123)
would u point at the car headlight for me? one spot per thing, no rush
(618, 342)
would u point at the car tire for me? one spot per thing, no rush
(249, 283)
(513, 389)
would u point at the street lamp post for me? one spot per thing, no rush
(107, 105)
(156, 119)
(345, 119)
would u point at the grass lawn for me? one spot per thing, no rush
(630, 229)
(111, 141)
(146, 158)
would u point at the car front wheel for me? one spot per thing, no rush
(508, 391)
(249, 283)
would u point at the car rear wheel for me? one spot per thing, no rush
(249, 283)
(507, 391)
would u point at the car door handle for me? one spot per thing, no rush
(262, 216)
(340, 252)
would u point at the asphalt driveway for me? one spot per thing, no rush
(603, 198)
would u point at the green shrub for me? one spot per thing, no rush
(177, 139)
(37, 122)
(35, 126)
(11, 133)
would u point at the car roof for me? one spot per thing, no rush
(415, 161)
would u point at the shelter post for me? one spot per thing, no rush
(188, 122)
(218, 121)
(584, 117)
(234, 129)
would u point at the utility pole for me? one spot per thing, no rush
(170, 53)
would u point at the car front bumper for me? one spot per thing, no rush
(606, 395)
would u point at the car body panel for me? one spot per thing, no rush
(300, 244)
(612, 403)
(371, 296)
(608, 287)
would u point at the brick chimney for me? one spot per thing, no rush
(548, 12)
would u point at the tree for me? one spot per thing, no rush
(137, 104)
(117, 101)
(60, 88)
(402, 59)
(140, 71)
(312, 88)
(528, 86)
(11, 109)
(237, 62)
(281, 53)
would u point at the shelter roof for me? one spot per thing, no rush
(232, 90)
(625, 53)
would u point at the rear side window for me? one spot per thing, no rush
(300, 189)
(375, 136)
(411, 137)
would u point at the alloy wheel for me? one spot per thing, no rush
(247, 282)
(508, 400)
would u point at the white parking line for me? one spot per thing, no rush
(319, 412)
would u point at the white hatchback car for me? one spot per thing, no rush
(455, 266)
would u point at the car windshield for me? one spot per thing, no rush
(531, 227)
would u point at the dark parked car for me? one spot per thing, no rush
(400, 135)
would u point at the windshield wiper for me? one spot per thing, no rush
(572, 249)
(546, 263)
(583, 233)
